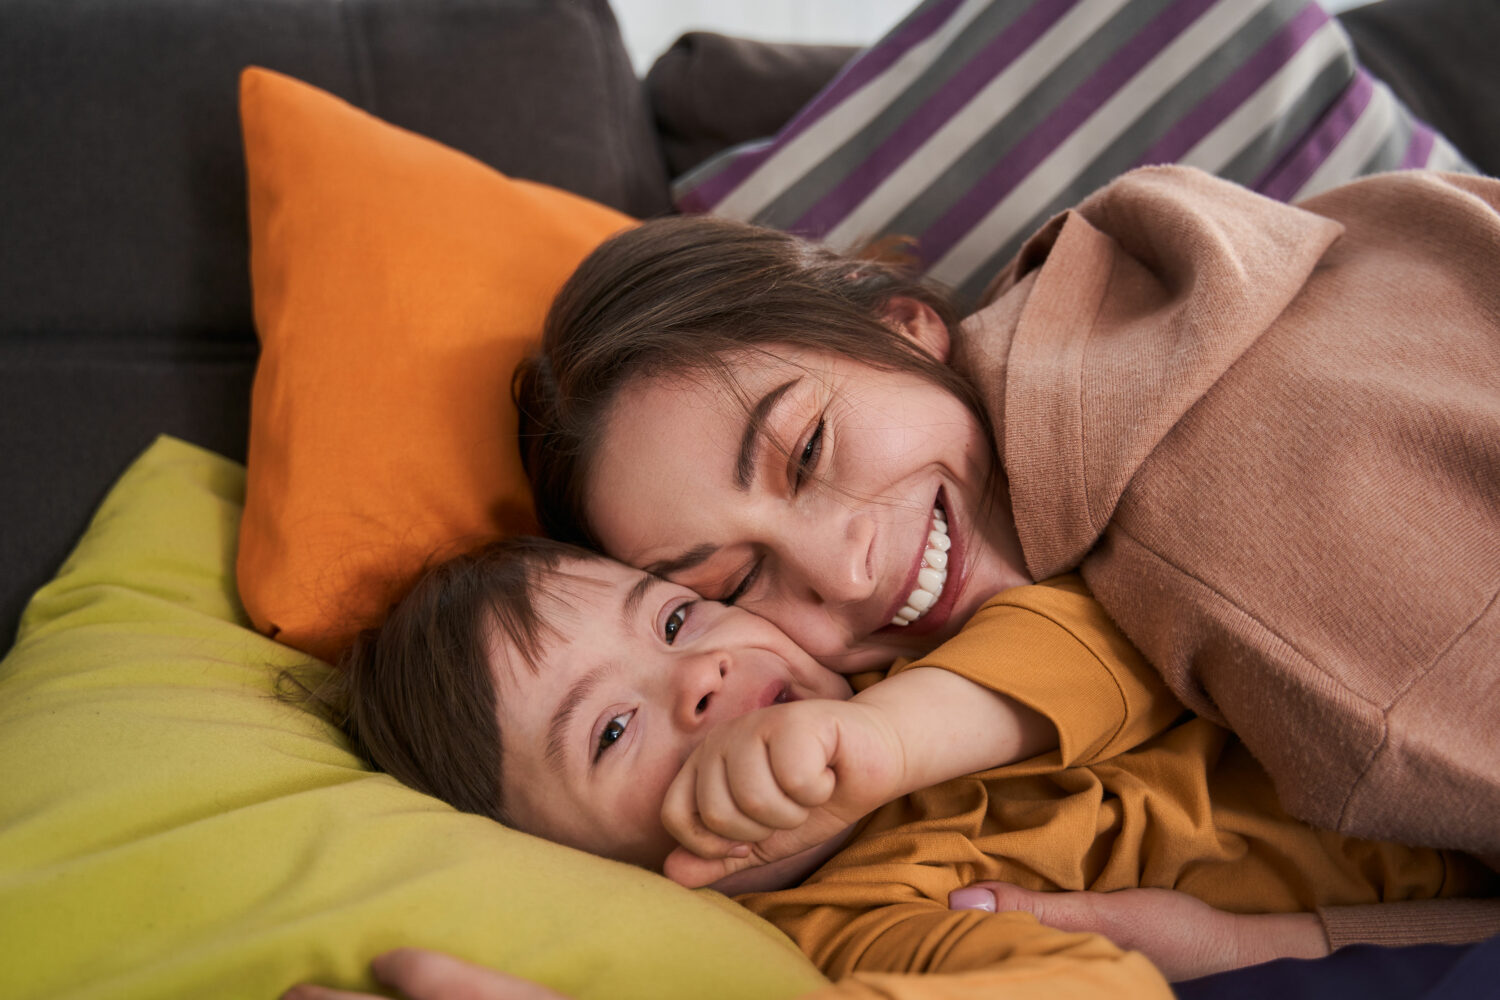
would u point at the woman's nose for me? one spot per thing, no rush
(699, 679)
(830, 556)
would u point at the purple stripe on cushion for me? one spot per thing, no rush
(1284, 179)
(1238, 87)
(1014, 167)
(1419, 150)
(860, 72)
(934, 113)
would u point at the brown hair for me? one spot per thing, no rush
(416, 696)
(681, 296)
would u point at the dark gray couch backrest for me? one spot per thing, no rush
(124, 267)
(122, 185)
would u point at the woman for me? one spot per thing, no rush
(1268, 437)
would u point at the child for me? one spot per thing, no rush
(601, 707)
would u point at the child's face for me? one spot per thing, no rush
(643, 671)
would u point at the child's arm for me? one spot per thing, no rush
(1037, 669)
(1052, 648)
(789, 777)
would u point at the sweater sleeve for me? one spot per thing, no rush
(1417, 921)
(1051, 647)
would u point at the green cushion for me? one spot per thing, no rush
(168, 827)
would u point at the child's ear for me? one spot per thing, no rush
(920, 324)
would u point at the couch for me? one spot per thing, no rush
(126, 309)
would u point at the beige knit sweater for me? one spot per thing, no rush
(1269, 437)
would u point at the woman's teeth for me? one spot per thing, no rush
(933, 574)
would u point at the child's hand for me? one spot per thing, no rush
(779, 780)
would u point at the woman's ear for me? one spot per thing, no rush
(920, 324)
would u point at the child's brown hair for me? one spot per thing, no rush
(416, 696)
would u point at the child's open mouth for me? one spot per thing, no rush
(777, 694)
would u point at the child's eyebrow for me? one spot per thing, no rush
(562, 719)
(557, 729)
(634, 596)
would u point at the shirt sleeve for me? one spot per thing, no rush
(1051, 647)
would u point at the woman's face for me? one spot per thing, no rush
(826, 495)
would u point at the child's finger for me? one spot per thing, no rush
(688, 869)
(679, 814)
(801, 772)
(756, 791)
(717, 809)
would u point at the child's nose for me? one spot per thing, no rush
(700, 679)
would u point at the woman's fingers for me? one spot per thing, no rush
(1182, 935)
(309, 991)
(431, 975)
(420, 974)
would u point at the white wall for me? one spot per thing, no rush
(649, 26)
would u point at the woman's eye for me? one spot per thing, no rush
(808, 460)
(611, 733)
(743, 586)
(675, 621)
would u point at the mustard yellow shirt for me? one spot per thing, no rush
(1139, 793)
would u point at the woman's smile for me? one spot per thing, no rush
(836, 499)
(934, 582)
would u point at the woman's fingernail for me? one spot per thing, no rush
(740, 851)
(972, 898)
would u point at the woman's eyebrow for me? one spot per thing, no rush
(755, 426)
(692, 557)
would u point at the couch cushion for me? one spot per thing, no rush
(122, 184)
(698, 89)
(397, 285)
(973, 121)
(125, 306)
(170, 828)
(1439, 58)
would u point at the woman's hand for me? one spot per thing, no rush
(419, 974)
(1183, 936)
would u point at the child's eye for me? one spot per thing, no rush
(675, 621)
(808, 460)
(611, 733)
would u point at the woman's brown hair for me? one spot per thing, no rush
(416, 696)
(687, 296)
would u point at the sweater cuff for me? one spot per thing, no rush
(1421, 921)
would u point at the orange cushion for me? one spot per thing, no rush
(397, 282)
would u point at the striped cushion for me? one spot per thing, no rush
(973, 121)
